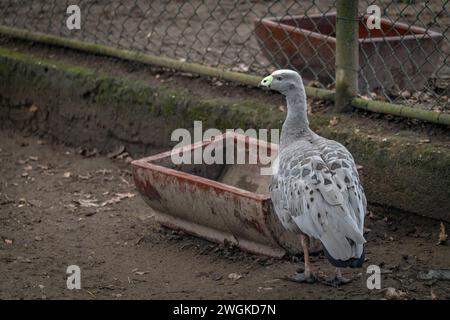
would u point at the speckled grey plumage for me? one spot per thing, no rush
(316, 189)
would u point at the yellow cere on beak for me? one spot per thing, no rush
(266, 81)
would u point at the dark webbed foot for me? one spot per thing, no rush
(337, 280)
(302, 277)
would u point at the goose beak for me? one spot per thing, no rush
(266, 82)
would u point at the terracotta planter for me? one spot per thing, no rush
(396, 57)
(221, 203)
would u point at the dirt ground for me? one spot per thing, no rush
(61, 206)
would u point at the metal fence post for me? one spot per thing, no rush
(347, 53)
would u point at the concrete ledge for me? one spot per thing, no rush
(77, 106)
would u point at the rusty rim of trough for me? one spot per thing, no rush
(247, 141)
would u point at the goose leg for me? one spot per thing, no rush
(306, 276)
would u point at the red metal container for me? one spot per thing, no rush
(398, 56)
(222, 203)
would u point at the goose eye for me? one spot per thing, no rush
(279, 78)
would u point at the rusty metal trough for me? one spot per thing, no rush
(218, 202)
(396, 56)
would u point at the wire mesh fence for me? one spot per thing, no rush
(406, 61)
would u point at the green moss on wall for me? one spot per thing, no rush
(398, 171)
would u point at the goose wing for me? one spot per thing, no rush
(319, 192)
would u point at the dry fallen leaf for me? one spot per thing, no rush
(33, 108)
(86, 177)
(264, 288)
(405, 94)
(125, 181)
(241, 67)
(103, 171)
(234, 276)
(333, 122)
(366, 97)
(122, 155)
(442, 235)
(67, 174)
(116, 152)
(433, 295)
(87, 203)
(394, 294)
(7, 241)
(119, 197)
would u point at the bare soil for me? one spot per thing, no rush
(54, 212)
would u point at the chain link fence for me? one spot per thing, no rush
(407, 61)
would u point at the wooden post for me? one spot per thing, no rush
(347, 53)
